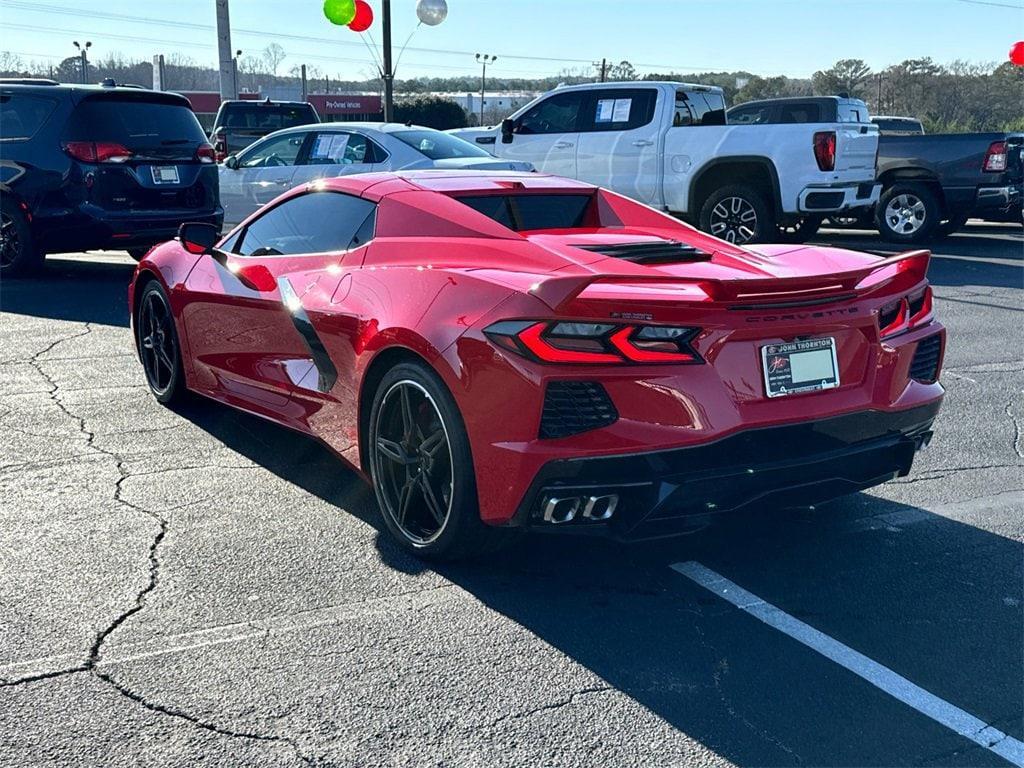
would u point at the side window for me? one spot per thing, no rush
(318, 222)
(700, 108)
(800, 113)
(556, 114)
(22, 114)
(748, 115)
(342, 149)
(283, 150)
(620, 109)
(231, 244)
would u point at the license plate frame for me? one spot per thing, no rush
(816, 364)
(165, 174)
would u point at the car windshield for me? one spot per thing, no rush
(437, 145)
(532, 211)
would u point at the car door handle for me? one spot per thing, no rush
(563, 144)
(643, 143)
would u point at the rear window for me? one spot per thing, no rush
(135, 124)
(22, 114)
(268, 117)
(532, 211)
(800, 113)
(437, 145)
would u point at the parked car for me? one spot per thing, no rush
(504, 351)
(898, 126)
(87, 167)
(802, 109)
(932, 184)
(299, 155)
(668, 145)
(240, 122)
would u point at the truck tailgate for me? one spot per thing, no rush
(856, 146)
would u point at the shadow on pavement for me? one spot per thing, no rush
(935, 600)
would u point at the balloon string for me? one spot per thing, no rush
(406, 43)
(373, 53)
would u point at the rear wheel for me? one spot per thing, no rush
(738, 214)
(422, 469)
(947, 228)
(799, 232)
(907, 212)
(158, 345)
(18, 253)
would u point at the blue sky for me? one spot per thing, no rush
(789, 37)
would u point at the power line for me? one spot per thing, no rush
(993, 5)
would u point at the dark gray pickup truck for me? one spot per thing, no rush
(932, 184)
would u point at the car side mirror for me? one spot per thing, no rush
(231, 161)
(198, 238)
(507, 130)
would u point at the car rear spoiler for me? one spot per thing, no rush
(902, 271)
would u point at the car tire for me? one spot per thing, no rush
(138, 253)
(951, 226)
(800, 232)
(907, 212)
(158, 345)
(421, 467)
(19, 256)
(738, 214)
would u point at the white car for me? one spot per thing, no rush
(668, 145)
(294, 156)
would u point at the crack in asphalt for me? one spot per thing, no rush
(1016, 431)
(95, 655)
(553, 705)
(943, 472)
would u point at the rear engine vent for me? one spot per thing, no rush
(571, 407)
(925, 365)
(661, 252)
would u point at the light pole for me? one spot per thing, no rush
(85, 59)
(234, 72)
(388, 75)
(484, 60)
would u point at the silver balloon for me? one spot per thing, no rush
(432, 12)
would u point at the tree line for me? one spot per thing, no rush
(960, 96)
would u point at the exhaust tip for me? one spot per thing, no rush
(561, 510)
(600, 507)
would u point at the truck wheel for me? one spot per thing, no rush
(738, 214)
(907, 212)
(947, 228)
(18, 253)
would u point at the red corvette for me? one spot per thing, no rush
(497, 351)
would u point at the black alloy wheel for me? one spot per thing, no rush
(158, 345)
(413, 462)
(18, 255)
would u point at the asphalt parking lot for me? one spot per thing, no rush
(202, 588)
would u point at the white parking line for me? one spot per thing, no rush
(897, 686)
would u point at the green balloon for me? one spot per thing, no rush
(340, 12)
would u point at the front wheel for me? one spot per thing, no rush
(422, 467)
(738, 214)
(159, 349)
(800, 231)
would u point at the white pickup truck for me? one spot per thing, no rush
(668, 145)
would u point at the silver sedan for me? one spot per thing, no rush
(294, 156)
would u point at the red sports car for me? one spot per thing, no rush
(500, 351)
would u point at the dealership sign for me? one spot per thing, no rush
(345, 104)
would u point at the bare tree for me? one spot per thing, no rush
(273, 55)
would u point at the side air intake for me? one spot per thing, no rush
(925, 365)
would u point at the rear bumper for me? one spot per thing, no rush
(998, 198)
(667, 492)
(90, 227)
(841, 197)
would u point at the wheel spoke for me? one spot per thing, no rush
(164, 358)
(392, 451)
(431, 445)
(404, 498)
(437, 511)
(407, 418)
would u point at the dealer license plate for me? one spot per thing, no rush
(165, 174)
(800, 366)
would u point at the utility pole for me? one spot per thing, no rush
(604, 68)
(228, 80)
(85, 59)
(305, 89)
(159, 75)
(484, 59)
(387, 74)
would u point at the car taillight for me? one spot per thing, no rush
(825, 150)
(220, 145)
(581, 343)
(206, 154)
(909, 312)
(98, 151)
(995, 158)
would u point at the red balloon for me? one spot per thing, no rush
(1017, 53)
(363, 18)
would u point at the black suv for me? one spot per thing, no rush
(91, 167)
(241, 122)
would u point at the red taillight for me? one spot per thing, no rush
(206, 154)
(98, 151)
(594, 343)
(894, 319)
(825, 150)
(995, 158)
(220, 145)
(905, 314)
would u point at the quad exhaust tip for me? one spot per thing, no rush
(565, 509)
